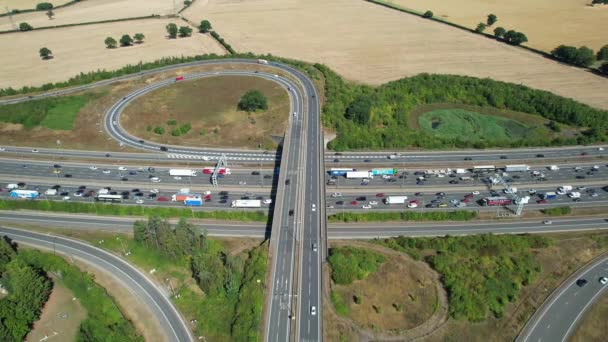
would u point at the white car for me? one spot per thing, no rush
(313, 310)
(154, 191)
(35, 150)
(106, 171)
(532, 191)
(66, 198)
(547, 222)
(373, 202)
(205, 158)
(366, 206)
(177, 178)
(242, 183)
(475, 192)
(314, 247)
(122, 168)
(600, 148)
(336, 194)
(155, 180)
(2, 149)
(295, 114)
(267, 201)
(93, 168)
(412, 205)
(140, 201)
(603, 280)
(78, 194)
(114, 123)
(314, 207)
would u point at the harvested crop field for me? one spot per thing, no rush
(547, 23)
(88, 11)
(26, 4)
(82, 49)
(373, 44)
(209, 107)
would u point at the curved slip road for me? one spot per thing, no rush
(158, 303)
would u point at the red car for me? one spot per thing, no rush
(353, 202)
(414, 202)
(380, 195)
(465, 200)
(542, 201)
(162, 199)
(468, 196)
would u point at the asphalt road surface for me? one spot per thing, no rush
(157, 301)
(559, 315)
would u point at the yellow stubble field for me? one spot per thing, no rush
(92, 10)
(82, 49)
(26, 4)
(546, 23)
(372, 44)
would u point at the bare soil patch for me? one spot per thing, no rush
(210, 106)
(372, 44)
(82, 49)
(61, 316)
(547, 23)
(593, 326)
(86, 11)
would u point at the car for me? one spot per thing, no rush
(475, 192)
(313, 207)
(392, 180)
(56, 171)
(361, 198)
(114, 123)
(594, 194)
(57, 166)
(140, 201)
(151, 169)
(255, 173)
(163, 148)
(66, 198)
(440, 194)
(336, 160)
(603, 280)
(67, 175)
(353, 202)
(132, 173)
(453, 182)
(380, 195)
(443, 205)
(108, 155)
(35, 151)
(532, 191)
(581, 282)
(241, 182)
(106, 171)
(2, 149)
(584, 153)
(295, 114)
(599, 149)
(313, 310)
(580, 177)
(576, 199)
(336, 194)
(56, 187)
(547, 222)
(503, 157)
(469, 196)
(267, 201)
(314, 247)
(267, 177)
(367, 161)
(468, 158)
(373, 202)
(124, 179)
(92, 168)
(179, 178)
(78, 193)
(287, 182)
(540, 155)
(162, 199)
(290, 212)
(122, 168)
(366, 206)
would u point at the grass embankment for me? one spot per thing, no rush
(185, 117)
(349, 264)
(482, 273)
(55, 113)
(557, 211)
(378, 118)
(459, 215)
(129, 210)
(221, 291)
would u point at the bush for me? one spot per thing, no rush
(499, 32)
(339, 304)
(582, 56)
(480, 28)
(602, 53)
(25, 27)
(492, 18)
(515, 38)
(349, 264)
(459, 215)
(185, 128)
(205, 26)
(604, 68)
(149, 128)
(187, 3)
(172, 122)
(176, 132)
(185, 31)
(428, 14)
(126, 40)
(44, 6)
(110, 43)
(253, 100)
(159, 130)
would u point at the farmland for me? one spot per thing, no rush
(86, 11)
(570, 22)
(384, 44)
(82, 49)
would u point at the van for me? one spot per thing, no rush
(12, 186)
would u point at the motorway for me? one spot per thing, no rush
(556, 319)
(157, 301)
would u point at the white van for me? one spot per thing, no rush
(12, 186)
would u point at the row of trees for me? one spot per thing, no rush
(125, 40)
(582, 56)
(173, 31)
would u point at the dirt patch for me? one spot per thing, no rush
(577, 19)
(82, 49)
(209, 105)
(369, 43)
(61, 316)
(593, 326)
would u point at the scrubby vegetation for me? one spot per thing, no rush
(349, 264)
(482, 273)
(557, 211)
(377, 118)
(459, 215)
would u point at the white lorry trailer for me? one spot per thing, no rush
(182, 172)
(246, 204)
(359, 174)
(517, 168)
(395, 199)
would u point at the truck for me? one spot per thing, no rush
(466, 179)
(24, 194)
(510, 190)
(517, 168)
(460, 171)
(246, 204)
(496, 200)
(553, 167)
(435, 172)
(378, 172)
(103, 191)
(359, 174)
(339, 171)
(181, 195)
(182, 172)
(395, 199)
(263, 61)
(221, 171)
(51, 192)
(12, 186)
(549, 195)
(524, 200)
(193, 201)
(574, 194)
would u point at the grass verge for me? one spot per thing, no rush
(459, 215)
(557, 211)
(124, 210)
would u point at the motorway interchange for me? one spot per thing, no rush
(299, 229)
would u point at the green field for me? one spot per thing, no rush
(471, 126)
(55, 113)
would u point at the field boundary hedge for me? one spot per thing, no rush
(103, 209)
(18, 11)
(460, 215)
(152, 16)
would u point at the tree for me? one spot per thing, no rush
(205, 26)
(499, 32)
(171, 30)
(139, 37)
(126, 40)
(252, 101)
(185, 31)
(515, 38)
(187, 3)
(44, 6)
(604, 68)
(602, 53)
(25, 27)
(45, 53)
(584, 56)
(359, 110)
(567, 53)
(480, 28)
(110, 43)
(50, 14)
(7, 253)
(427, 14)
(491, 19)
(186, 237)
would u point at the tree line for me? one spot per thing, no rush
(125, 40)
(582, 56)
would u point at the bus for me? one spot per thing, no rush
(109, 198)
(339, 171)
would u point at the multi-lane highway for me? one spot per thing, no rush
(155, 299)
(562, 311)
